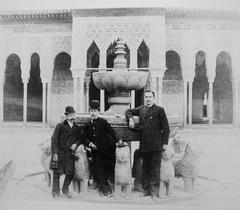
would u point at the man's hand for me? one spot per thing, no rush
(131, 123)
(165, 146)
(73, 147)
(93, 146)
(55, 157)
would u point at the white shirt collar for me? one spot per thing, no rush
(148, 106)
(70, 124)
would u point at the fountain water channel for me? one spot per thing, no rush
(119, 83)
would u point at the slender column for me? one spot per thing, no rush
(102, 65)
(185, 101)
(102, 101)
(44, 84)
(154, 87)
(81, 93)
(190, 105)
(160, 90)
(2, 77)
(133, 66)
(1, 99)
(75, 91)
(210, 103)
(132, 99)
(236, 104)
(25, 85)
(87, 82)
(49, 91)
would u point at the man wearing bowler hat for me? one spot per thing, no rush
(102, 141)
(65, 139)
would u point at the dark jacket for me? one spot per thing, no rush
(102, 135)
(154, 127)
(62, 139)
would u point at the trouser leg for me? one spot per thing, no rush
(155, 173)
(146, 172)
(55, 185)
(66, 183)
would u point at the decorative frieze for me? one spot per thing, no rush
(62, 44)
(131, 32)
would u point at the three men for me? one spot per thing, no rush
(100, 137)
(154, 133)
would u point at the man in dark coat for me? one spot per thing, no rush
(154, 133)
(102, 141)
(65, 139)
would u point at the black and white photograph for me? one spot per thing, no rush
(119, 104)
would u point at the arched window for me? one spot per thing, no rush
(222, 90)
(62, 86)
(13, 90)
(142, 62)
(200, 90)
(93, 62)
(34, 96)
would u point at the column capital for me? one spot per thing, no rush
(188, 79)
(25, 80)
(87, 80)
(77, 73)
(157, 72)
(211, 79)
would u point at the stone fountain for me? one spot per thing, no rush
(118, 83)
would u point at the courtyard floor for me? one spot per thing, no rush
(218, 187)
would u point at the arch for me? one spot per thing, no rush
(62, 86)
(173, 64)
(142, 62)
(93, 54)
(34, 89)
(200, 89)
(143, 55)
(173, 83)
(222, 90)
(13, 90)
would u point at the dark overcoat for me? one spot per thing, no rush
(102, 135)
(62, 139)
(154, 128)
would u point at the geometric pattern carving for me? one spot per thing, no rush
(62, 44)
(131, 32)
(173, 40)
(173, 104)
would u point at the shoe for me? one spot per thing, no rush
(144, 194)
(67, 194)
(155, 198)
(55, 194)
(108, 194)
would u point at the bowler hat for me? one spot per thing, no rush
(69, 110)
(94, 104)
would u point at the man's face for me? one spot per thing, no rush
(149, 99)
(71, 117)
(94, 113)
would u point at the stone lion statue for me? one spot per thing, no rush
(81, 175)
(166, 173)
(179, 145)
(46, 159)
(122, 172)
(188, 166)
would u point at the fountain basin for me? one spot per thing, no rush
(120, 80)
